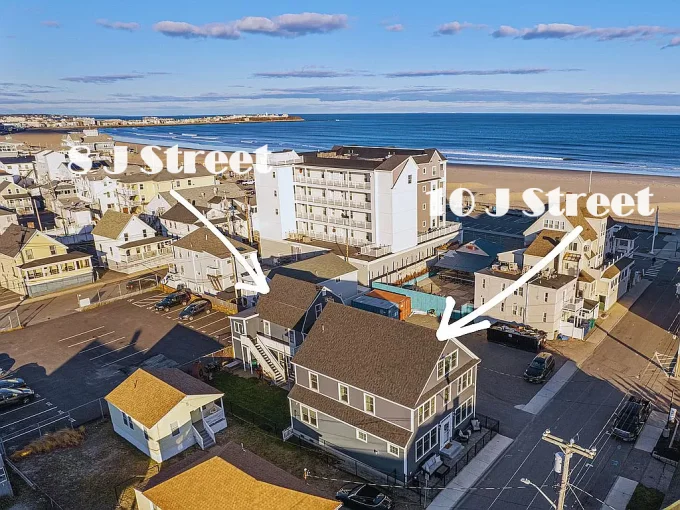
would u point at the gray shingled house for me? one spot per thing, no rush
(270, 333)
(386, 393)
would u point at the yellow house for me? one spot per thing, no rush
(137, 189)
(33, 263)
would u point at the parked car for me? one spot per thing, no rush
(11, 396)
(140, 283)
(14, 382)
(540, 368)
(181, 297)
(194, 309)
(630, 420)
(362, 497)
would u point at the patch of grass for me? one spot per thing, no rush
(645, 498)
(252, 394)
(64, 438)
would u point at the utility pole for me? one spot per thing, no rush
(568, 449)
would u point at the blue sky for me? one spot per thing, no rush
(171, 57)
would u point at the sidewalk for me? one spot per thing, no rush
(620, 494)
(457, 488)
(651, 432)
(550, 389)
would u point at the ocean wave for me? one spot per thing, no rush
(491, 155)
(189, 134)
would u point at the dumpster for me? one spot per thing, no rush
(516, 335)
(403, 302)
(376, 305)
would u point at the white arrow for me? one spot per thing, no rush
(255, 271)
(460, 327)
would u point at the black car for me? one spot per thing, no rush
(181, 297)
(195, 308)
(540, 368)
(362, 497)
(13, 382)
(11, 396)
(630, 420)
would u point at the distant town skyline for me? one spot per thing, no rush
(355, 57)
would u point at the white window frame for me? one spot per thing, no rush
(311, 385)
(469, 406)
(238, 327)
(340, 387)
(433, 441)
(365, 436)
(372, 398)
(442, 363)
(266, 327)
(318, 308)
(310, 412)
(464, 381)
(446, 394)
(175, 431)
(393, 449)
(426, 411)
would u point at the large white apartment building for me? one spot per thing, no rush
(382, 208)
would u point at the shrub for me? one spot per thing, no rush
(64, 438)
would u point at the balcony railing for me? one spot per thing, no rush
(574, 305)
(332, 182)
(331, 201)
(375, 251)
(331, 238)
(334, 219)
(146, 255)
(434, 234)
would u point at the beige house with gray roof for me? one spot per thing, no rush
(164, 411)
(126, 244)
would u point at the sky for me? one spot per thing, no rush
(168, 57)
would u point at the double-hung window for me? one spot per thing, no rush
(362, 436)
(393, 449)
(464, 381)
(309, 416)
(314, 381)
(426, 443)
(426, 410)
(266, 328)
(447, 363)
(369, 403)
(128, 421)
(464, 411)
(343, 393)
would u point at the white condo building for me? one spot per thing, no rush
(381, 208)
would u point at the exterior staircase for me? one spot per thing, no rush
(266, 360)
(207, 439)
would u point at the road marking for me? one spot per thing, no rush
(29, 417)
(124, 357)
(174, 310)
(215, 322)
(90, 339)
(111, 352)
(101, 345)
(217, 331)
(78, 334)
(22, 407)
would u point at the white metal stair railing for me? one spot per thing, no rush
(209, 432)
(265, 358)
(198, 437)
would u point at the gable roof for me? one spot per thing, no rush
(181, 214)
(112, 224)
(287, 301)
(481, 247)
(316, 269)
(626, 233)
(382, 356)
(232, 478)
(14, 238)
(203, 240)
(149, 394)
(544, 243)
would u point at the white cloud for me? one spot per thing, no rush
(455, 27)
(568, 31)
(397, 27)
(286, 25)
(129, 26)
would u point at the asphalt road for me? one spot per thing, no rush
(79, 358)
(630, 359)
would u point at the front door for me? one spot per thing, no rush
(247, 358)
(445, 431)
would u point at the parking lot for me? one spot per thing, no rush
(77, 359)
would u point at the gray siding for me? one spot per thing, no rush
(342, 437)
(384, 409)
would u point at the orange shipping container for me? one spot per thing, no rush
(403, 302)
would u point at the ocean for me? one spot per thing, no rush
(629, 144)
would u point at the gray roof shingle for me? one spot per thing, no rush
(287, 301)
(316, 269)
(111, 224)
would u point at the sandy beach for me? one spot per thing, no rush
(483, 181)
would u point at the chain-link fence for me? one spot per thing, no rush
(120, 290)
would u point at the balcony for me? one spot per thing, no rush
(375, 251)
(364, 185)
(336, 220)
(352, 204)
(574, 305)
(434, 234)
(331, 238)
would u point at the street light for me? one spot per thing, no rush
(526, 481)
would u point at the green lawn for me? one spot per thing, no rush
(258, 397)
(645, 498)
